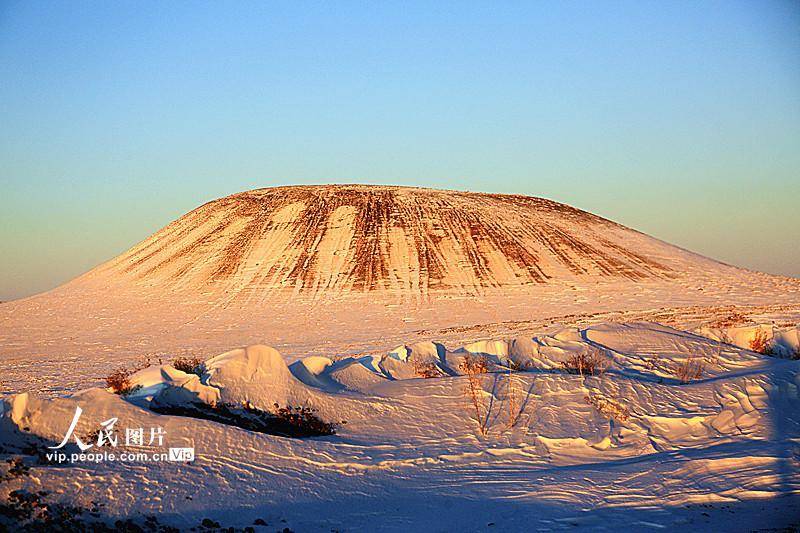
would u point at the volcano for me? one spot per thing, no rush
(330, 240)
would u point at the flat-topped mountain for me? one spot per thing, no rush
(356, 238)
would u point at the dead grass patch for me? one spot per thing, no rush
(760, 343)
(608, 407)
(472, 366)
(690, 369)
(589, 363)
(426, 369)
(190, 365)
(119, 381)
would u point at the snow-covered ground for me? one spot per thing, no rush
(67, 340)
(633, 447)
(339, 299)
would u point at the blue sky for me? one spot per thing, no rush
(680, 119)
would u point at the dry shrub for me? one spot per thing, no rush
(517, 367)
(591, 363)
(190, 365)
(654, 363)
(294, 422)
(690, 369)
(299, 421)
(608, 407)
(426, 369)
(475, 364)
(513, 410)
(760, 343)
(119, 381)
(733, 319)
(717, 357)
(471, 366)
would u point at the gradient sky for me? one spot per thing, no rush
(680, 119)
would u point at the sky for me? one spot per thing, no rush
(679, 119)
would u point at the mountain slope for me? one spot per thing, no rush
(343, 239)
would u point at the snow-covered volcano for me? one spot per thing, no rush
(334, 239)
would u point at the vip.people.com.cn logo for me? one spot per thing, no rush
(141, 445)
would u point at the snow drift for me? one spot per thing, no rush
(634, 436)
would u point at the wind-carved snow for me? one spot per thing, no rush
(726, 440)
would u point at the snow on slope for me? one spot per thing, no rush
(338, 239)
(712, 454)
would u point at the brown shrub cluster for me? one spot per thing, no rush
(591, 363)
(190, 365)
(472, 366)
(690, 369)
(294, 422)
(733, 319)
(514, 366)
(514, 411)
(608, 407)
(300, 422)
(119, 381)
(760, 343)
(426, 369)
